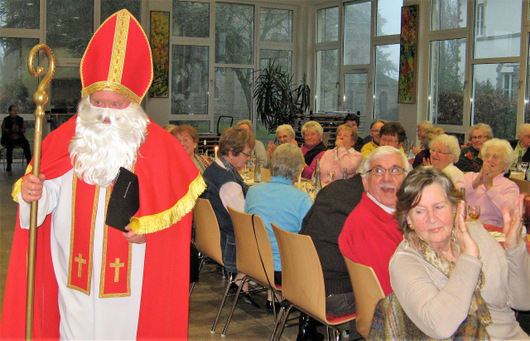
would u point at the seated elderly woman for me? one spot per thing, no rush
(422, 158)
(446, 269)
(278, 200)
(444, 150)
(284, 134)
(313, 147)
(488, 188)
(189, 139)
(225, 187)
(341, 158)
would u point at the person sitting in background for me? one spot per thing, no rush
(284, 134)
(446, 269)
(444, 150)
(470, 160)
(278, 201)
(422, 158)
(355, 121)
(370, 234)
(392, 134)
(373, 143)
(225, 187)
(341, 158)
(488, 188)
(189, 139)
(422, 127)
(520, 146)
(13, 129)
(313, 147)
(259, 148)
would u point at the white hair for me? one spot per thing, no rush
(381, 152)
(286, 127)
(105, 140)
(450, 141)
(507, 150)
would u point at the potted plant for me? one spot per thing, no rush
(276, 101)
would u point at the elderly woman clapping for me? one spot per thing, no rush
(445, 149)
(446, 269)
(488, 188)
(313, 147)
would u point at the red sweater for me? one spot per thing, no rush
(370, 237)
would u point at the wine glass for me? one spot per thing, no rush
(244, 171)
(523, 166)
(473, 211)
(331, 175)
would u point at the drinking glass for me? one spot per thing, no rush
(523, 166)
(244, 171)
(331, 175)
(473, 212)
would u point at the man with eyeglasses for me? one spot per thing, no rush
(470, 160)
(370, 234)
(374, 135)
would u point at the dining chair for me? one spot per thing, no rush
(253, 255)
(303, 282)
(367, 291)
(208, 243)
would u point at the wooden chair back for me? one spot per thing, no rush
(254, 253)
(207, 233)
(367, 292)
(302, 277)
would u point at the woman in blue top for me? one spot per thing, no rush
(278, 201)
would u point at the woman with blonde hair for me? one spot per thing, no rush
(313, 147)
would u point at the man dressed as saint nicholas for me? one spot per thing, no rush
(93, 281)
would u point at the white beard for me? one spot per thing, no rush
(99, 149)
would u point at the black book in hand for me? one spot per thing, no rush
(124, 200)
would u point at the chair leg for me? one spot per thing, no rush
(222, 304)
(278, 328)
(192, 286)
(243, 281)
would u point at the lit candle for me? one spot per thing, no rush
(216, 148)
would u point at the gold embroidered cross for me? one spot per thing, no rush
(80, 261)
(117, 265)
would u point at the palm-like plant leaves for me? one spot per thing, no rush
(276, 103)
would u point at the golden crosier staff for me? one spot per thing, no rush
(40, 98)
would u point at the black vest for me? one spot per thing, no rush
(215, 177)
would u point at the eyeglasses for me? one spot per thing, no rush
(247, 155)
(480, 137)
(374, 131)
(438, 152)
(386, 140)
(380, 171)
(495, 157)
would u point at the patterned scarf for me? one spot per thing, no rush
(235, 173)
(478, 306)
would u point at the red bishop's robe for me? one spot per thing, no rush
(169, 185)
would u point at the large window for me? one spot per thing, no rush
(20, 14)
(477, 83)
(213, 73)
(447, 77)
(189, 79)
(386, 82)
(16, 84)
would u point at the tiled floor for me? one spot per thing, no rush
(248, 323)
